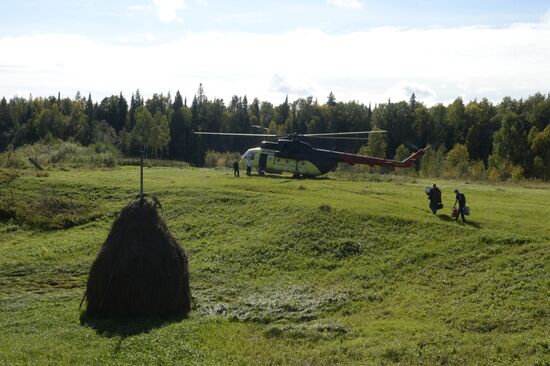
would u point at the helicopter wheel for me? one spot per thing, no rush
(261, 173)
(296, 175)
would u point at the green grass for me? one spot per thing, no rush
(283, 271)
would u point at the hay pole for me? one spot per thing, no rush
(141, 180)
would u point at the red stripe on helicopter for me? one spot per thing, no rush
(372, 161)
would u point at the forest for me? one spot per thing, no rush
(481, 139)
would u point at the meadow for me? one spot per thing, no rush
(283, 271)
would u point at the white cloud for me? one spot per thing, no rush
(149, 37)
(546, 18)
(138, 7)
(140, 38)
(133, 10)
(167, 10)
(280, 84)
(404, 89)
(354, 4)
(372, 66)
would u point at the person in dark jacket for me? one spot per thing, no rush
(434, 195)
(236, 168)
(461, 200)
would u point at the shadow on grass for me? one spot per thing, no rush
(445, 217)
(473, 224)
(450, 219)
(125, 327)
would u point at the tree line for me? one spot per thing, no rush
(511, 138)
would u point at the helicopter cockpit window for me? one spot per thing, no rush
(248, 155)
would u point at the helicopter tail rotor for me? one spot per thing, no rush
(415, 157)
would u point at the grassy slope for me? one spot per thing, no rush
(291, 272)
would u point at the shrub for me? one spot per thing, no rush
(432, 163)
(457, 161)
(58, 153)
(214, 159)
(501, 169)
(516, 173)
(11, 160)
(401, 154)
(494, 174)
(478, 170)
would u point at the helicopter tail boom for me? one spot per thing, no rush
(372, 161)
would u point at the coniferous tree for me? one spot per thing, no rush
(122, 112)
(179, 129)
(6, 125)
(254, 112)
(178, 102)
(331, 100)
(283, 112)
(90, 113)
(135, 103)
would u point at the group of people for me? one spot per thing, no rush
(236, 167)
(434, 195)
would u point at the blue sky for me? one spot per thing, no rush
(364, 50)
(119, 19)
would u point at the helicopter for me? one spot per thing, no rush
(291, 154)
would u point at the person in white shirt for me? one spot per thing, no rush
(248, 166)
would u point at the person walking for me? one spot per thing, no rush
(236, 168)
(461, 200)
(248, 166)
(434, 195)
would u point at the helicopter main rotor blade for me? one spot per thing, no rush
(338, 138)
(343, 133)
(260, 127)
(234, 134)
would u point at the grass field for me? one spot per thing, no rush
(283, 271)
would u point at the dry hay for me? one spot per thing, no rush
(141, 270)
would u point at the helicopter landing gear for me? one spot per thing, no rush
(296, 175)
(261, 173)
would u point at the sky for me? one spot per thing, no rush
(364, 50)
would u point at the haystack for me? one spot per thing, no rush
(141, 270)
